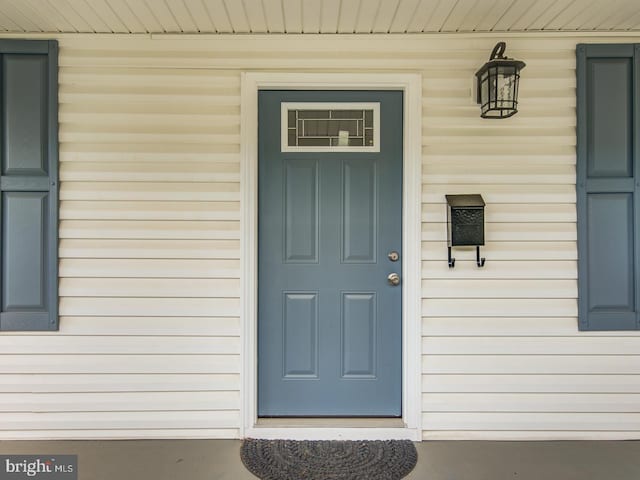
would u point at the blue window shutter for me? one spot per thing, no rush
(29, 185)
(608, 197)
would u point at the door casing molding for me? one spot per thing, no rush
(411, 85)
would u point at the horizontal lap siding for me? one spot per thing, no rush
(502, 355)
(149, 341)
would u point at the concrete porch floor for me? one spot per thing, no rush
(437, 460)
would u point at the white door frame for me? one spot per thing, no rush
(411, 85)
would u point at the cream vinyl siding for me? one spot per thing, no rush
(149, 337)
(150, 334)
(502, 355)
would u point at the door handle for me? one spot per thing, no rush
(394, 279)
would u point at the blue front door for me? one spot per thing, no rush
(329, 318)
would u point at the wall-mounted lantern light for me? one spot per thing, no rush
(498, 84)
(465, 224)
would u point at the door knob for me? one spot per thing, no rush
(394, 279)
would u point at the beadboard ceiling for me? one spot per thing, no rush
(317, 16)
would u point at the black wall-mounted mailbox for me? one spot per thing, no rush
(465, 224)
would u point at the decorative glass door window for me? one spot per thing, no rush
(335, 127)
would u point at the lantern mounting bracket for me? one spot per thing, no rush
(498, 51)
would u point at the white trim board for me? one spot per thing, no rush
(411, 85)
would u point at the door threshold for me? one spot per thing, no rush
(361, 422)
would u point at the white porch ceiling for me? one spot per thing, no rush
(317, 16)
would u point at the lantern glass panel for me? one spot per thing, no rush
(505, 89)
(484, 89)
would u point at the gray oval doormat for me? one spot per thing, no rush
(329, 460)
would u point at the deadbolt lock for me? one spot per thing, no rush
(393, 256)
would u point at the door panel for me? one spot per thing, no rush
(358, 315)
(359, 211)
(300, 348)
(301, 211)
(329, 323)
